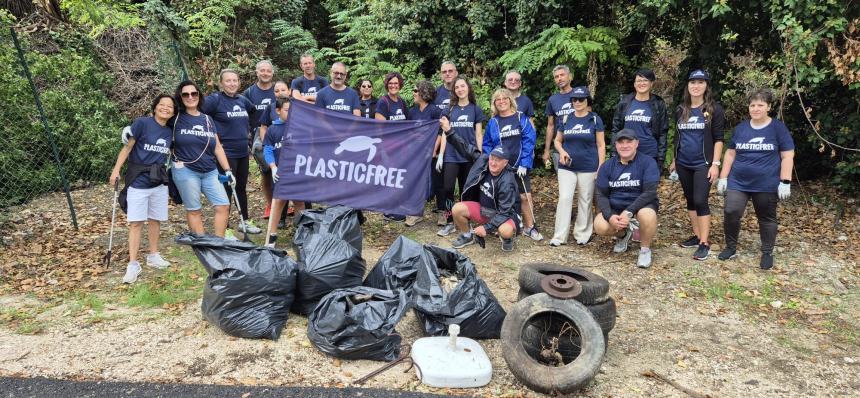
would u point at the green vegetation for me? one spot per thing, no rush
(22, 321)
(179, 284)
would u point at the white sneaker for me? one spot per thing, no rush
(533, 233)
(250, 227)
(131, 272)
(229, 235)
(412, 220)
(155, 260)
(644, 258)
(446, 230)
(622, 242)
(555, 243)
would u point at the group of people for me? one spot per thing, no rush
(209, 141)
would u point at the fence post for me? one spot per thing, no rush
(48, 134)
(181, 61)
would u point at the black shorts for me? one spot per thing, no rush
(524, 184)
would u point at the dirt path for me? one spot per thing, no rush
(719, 328)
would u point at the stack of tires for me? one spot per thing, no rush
(552, 344)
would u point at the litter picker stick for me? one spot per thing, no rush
(245, 237)
(531, 202)
(109, 254)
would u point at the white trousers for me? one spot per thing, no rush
(569, 183)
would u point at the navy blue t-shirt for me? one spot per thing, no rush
(757, 162)
(261, 100)
(463, 120)
(232, 117)
(151, 146)
(390, 109)
(430, 112)
(367, 107)
(510, 134)
(691, 148)
(524, 105)
(309, 87)
(626, 181)
(340, 101)
(195, 142)
(559, 105)
(443, 98)
(274, 137)
(488, 191)
(638, 118)
(579, 140)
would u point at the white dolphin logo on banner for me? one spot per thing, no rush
(358, 144)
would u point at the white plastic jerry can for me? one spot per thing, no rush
(451, 362)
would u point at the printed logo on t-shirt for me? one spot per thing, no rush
(486, 190)
(237, 112)
(463, 121)
(564, 110)
(160, 146)
(693, 123)
(577, 129)
(265, 102)
(398, 115)
(338, 106)
(312, 92)
(507, 131)
(624, 181)
(197, 130)
(755, 144)
(445, 103)
(638, 116)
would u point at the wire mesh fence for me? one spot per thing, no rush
(64, 98)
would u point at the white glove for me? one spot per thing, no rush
(274, 173)
(673, 176)
(784, 191)
(439, 161)
(722, 183)
(126, 134)
(230, 178)
(521, 171)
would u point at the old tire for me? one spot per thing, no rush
(605, 312)
(537, 334)
(595, 288)
(552, 379)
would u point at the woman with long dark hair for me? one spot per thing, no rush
(698, 148)
(197, 153)
(232, 113)
(465, 118)
(423, 96)
(146, 181)
(758, 165)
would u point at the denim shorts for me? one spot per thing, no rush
(191, 184)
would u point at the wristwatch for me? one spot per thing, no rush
(628, 213)
(717, 163)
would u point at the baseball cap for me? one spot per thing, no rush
(626, 134)
(498, 152)
(699, 74)
(580, 92)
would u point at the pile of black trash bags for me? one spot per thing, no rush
(250, 290)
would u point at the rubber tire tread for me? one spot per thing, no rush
(550, 379)
(595, 288)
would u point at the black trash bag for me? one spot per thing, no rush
(340, 221)
(358, 323)
(398, 267)
(328, 263)
(249, 289)
(470, 303)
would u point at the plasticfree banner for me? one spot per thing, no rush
(336, 158)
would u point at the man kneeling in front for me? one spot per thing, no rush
(490, 196)
(626, 195)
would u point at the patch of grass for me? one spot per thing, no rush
(788, 342)
(30, 326)
(21, 321)
(176, 285)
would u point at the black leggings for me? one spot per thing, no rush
(696, 188)
(764, 204)
(452, 173)
(239, 166)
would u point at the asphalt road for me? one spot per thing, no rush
(42, 387)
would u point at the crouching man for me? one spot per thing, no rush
(626, 194)
(490, 196)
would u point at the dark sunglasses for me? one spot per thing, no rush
(578, 99)
(366, 86)
(192, 94)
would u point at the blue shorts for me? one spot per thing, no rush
(191, 184)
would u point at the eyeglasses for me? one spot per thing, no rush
(366, 86)
(578, 99)
(192, 94)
